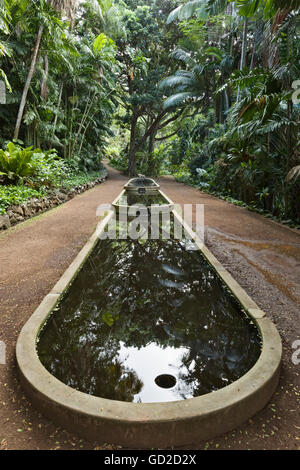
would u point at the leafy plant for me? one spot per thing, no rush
(10, 195)
(16, 163)
(50, 170)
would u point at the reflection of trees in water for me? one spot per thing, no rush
(90, 367)
(213, 364)
(146, 200)
(147, 291)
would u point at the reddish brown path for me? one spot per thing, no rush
(264, 257)
(242, 238)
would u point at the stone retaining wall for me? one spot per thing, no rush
(34, 206)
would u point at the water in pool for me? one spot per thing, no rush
(146, 200)
(148, 321)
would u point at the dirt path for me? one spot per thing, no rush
(262, 256)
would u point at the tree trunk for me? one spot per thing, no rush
(132, 146)
(151, 142)
(221, 109)
(289, 136)
(252, 56)
(152, 129)
(44, 86)
(215, 99)
(150, 152)
(85, 116)
(227, 102)
(217, 107)
(244, 45)
(132, 162)
(28, 81)
(58, 106)
(289, 155)
(244, 50)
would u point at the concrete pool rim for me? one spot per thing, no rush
(148, 425)
(166, 208)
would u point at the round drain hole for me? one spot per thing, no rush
(165, 381)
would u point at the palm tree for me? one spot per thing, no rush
(186, 86)
(269, 7)
(198, 84)
(245, 8)
(202, 8)
(4, 29)
(66, 6)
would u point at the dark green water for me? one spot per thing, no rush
(141, 309)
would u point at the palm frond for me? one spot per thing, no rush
(180, 54)
(174, 14)
(175, 80)
(178, 99)
(293, 174)
(184, 12)
(215, 7)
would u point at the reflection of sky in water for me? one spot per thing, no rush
(151, 361)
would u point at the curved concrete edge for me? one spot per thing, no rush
(243, 298)
(147, 425)
(118, 207)
(134, 189)
(71, 272)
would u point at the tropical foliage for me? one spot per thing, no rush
(60, 65)
(239, 62)
(203, 89)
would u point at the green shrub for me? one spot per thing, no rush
(34, 167)
(10, 195)
(16, 163)
(50, 169)
(197, 162)
(82, 178)
(119, 163)
(112, 151)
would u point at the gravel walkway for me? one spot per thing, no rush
(263, 256)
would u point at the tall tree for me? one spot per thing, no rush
(144, 56)
(47, 20)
